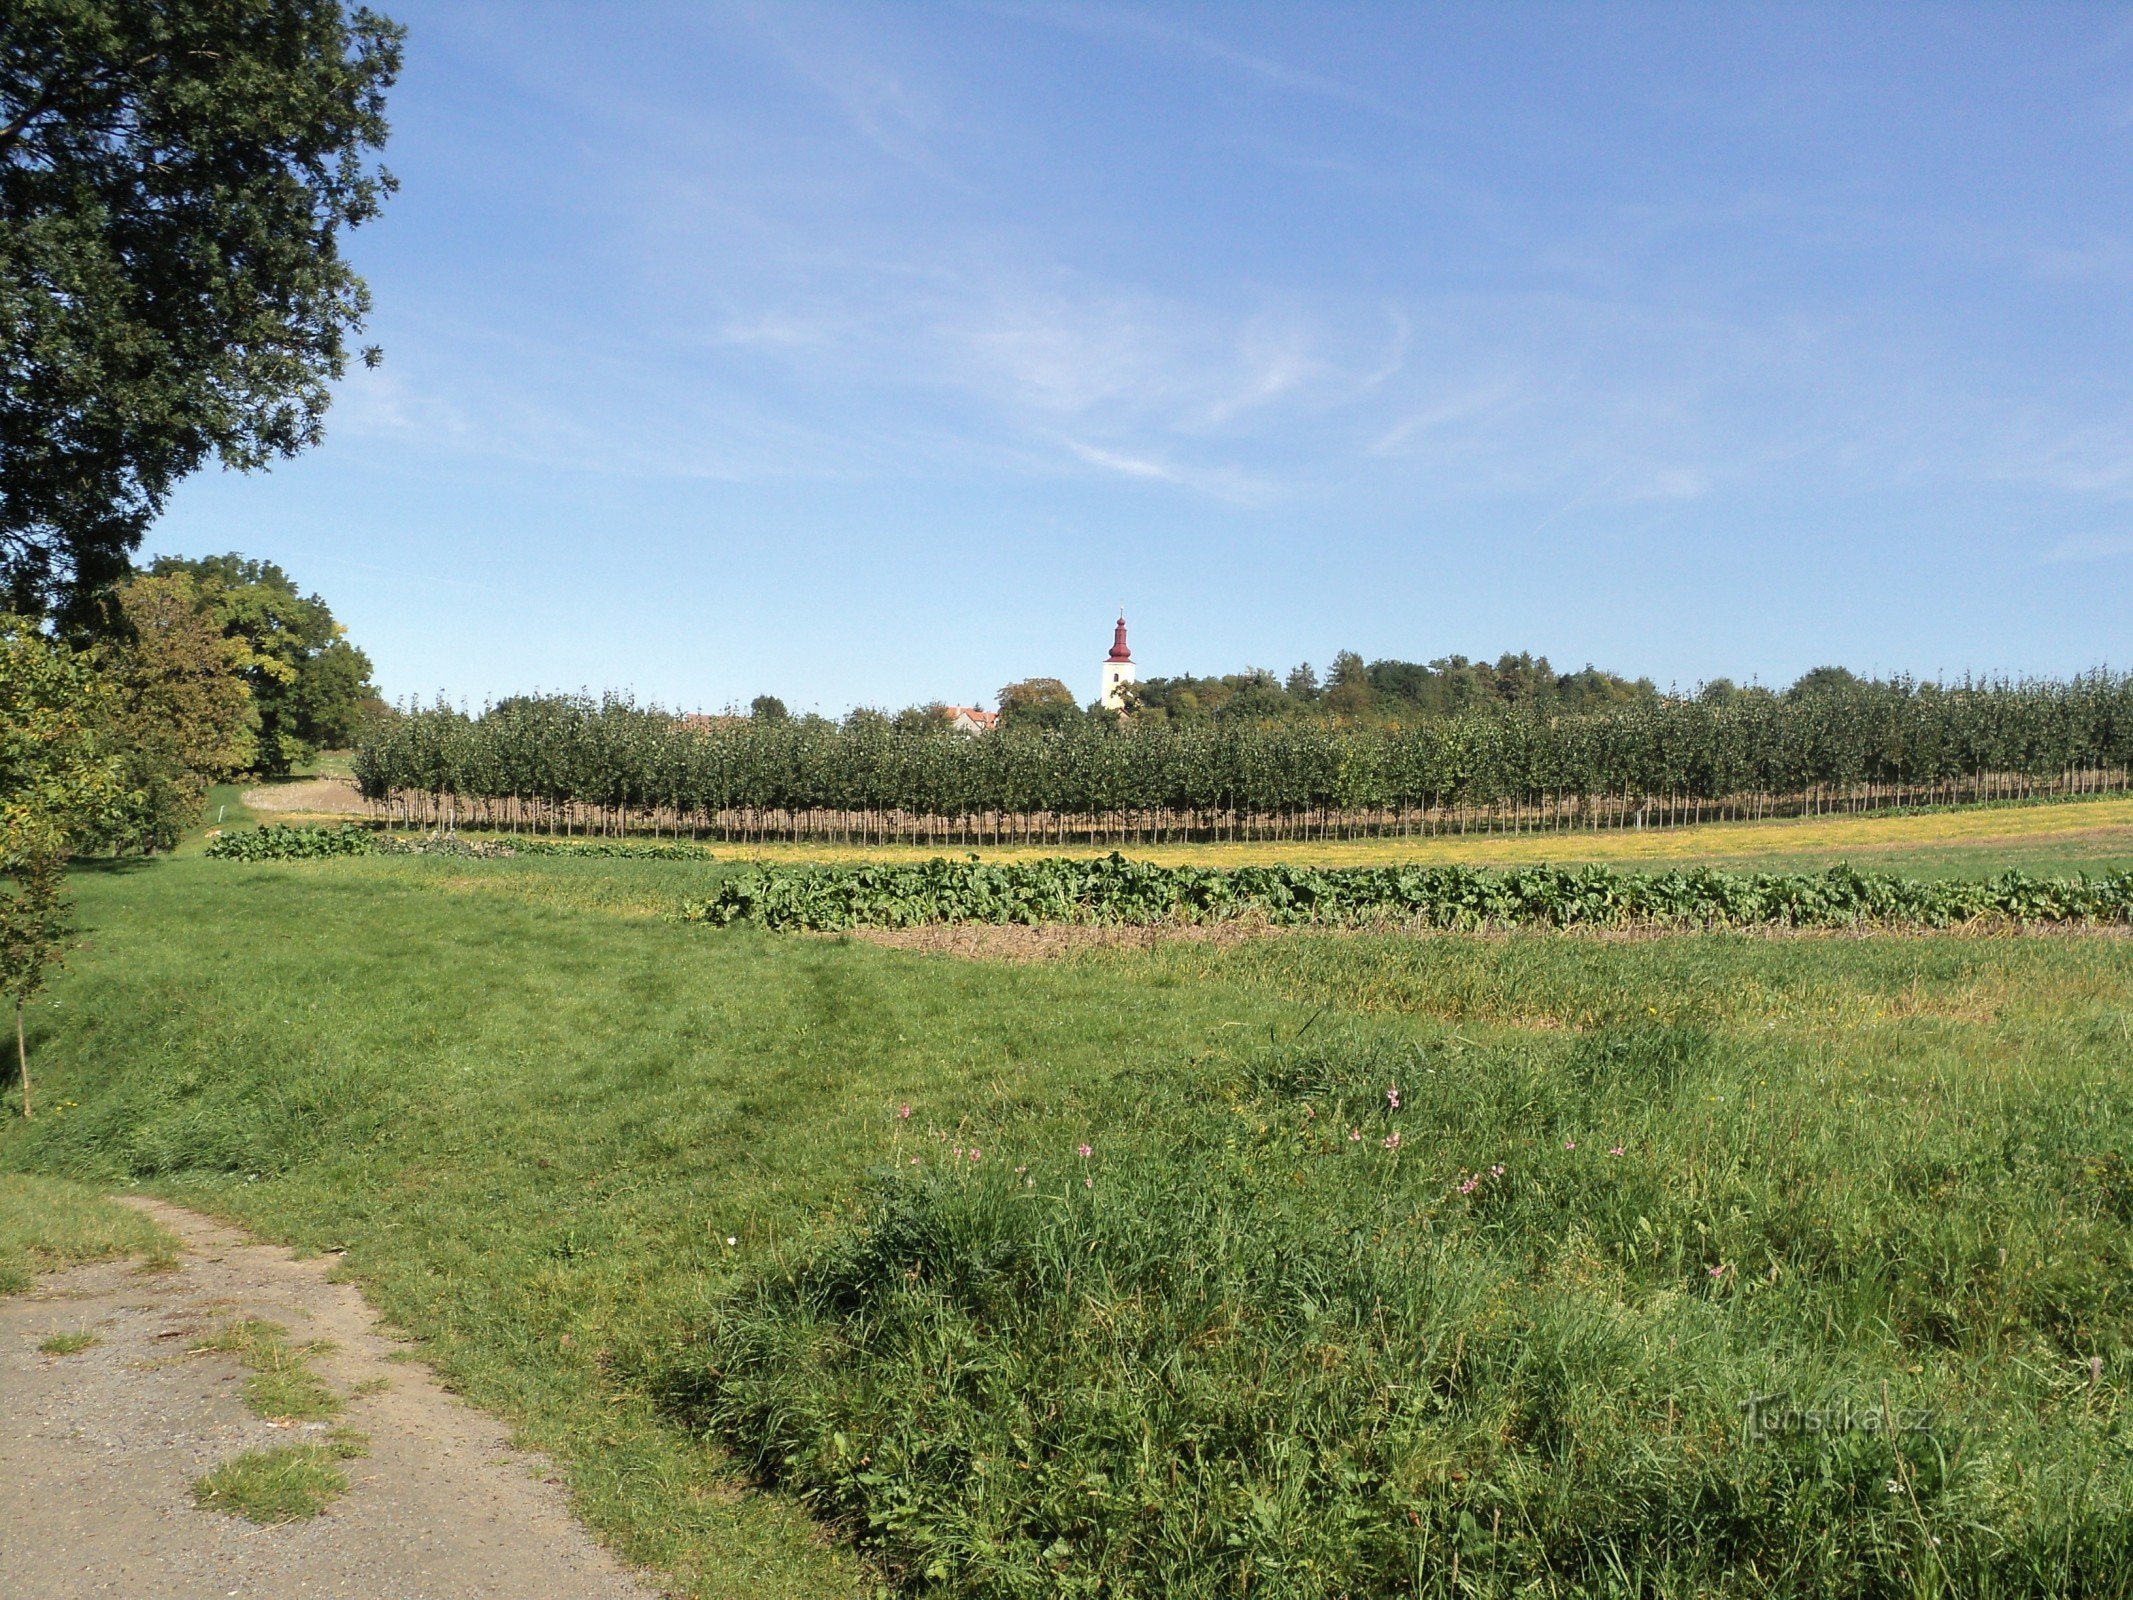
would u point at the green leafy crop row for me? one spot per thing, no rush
(278, 842)
(1115, 890)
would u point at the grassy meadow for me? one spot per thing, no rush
(1313, 1265)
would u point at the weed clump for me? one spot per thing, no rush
(272, 1487)
(281, 1386)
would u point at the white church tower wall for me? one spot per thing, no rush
(1118, 669)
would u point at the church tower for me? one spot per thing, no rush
(1118, 669)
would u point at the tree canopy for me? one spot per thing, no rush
(62, 783)
(1038, 703)
(1389, 693)
(184, 713)
(174, 181)
(310, 687)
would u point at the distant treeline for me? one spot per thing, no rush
(1397, 691)
(562, 761)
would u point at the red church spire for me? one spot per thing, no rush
(1119, 652)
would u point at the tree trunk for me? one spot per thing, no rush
(22, 1059)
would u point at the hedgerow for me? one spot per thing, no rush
(1112, 889)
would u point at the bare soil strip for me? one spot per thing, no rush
(99, 1449)
(307, 797)
(1046, 941)
(1051, 941)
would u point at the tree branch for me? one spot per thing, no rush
(14, 130)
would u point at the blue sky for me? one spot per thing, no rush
(875, 354)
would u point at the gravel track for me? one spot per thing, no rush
(98, 1450)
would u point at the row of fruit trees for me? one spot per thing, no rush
(571, 763)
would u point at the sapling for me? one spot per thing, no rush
(33, 933)
(60, 791)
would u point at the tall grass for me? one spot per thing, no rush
(1461, 1320)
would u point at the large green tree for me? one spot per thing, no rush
(310, 687)
(184, 712)
(1038, 703)
(175, 176)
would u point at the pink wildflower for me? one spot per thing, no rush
(1469, 1186)
(1570, 1144)
(903, 1113)
(1617, 1150)
(1391, 1141)
(973, 1152)
(1718, 1271)
(1392, 1097)
(1355, 1135)
(1085, 1151)
(1497, 1170)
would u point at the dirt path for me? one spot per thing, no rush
(98, 1450)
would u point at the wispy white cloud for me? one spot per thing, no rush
(1166, 34)
(2104, 547)
(1471, 404)
(1221, 482)
(1674, 483)
(1113, 461)
(381, 402)
(1061, 346)
(880, 100)
(784, 330)
(777, 304)
(2079, 446)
